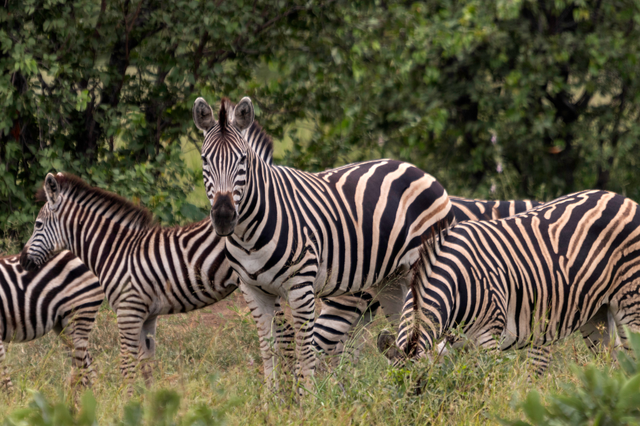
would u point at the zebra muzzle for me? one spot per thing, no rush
(223, 214)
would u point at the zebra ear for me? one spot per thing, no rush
(244, 114)
(203, 115)
(52, 191)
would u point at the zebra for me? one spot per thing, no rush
(64, 296)
(528, 280)
(474, 209)
(339, 316)
(145, 270)
(299, 235)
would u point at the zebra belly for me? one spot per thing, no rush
(19, 334)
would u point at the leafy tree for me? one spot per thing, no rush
(499, 98)
(105, 88)
(495, 99)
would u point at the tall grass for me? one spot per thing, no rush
(220, 367)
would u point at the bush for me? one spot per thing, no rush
(600, 397)
(161, 409)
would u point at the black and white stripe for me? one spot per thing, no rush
(145, 270)
(299, 235)
(63, 295)
(528, 280)
(475, 209)
(347, 315)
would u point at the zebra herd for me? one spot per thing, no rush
(381, 233)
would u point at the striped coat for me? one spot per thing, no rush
(63, 296)
(341, 314)
(299, 235)
(144, 269)
(528, 280)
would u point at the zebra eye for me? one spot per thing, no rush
(243, 158)
(39, 225)
(205, 164)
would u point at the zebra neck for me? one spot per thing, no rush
(100, 236)
(259, 202)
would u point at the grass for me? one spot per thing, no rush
(220, 367)
(215, 361)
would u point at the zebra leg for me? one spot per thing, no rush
(263, 307)
(337, 318)
(352, 346)
(625, 311)
(303, 307)
(74, 331)
(147, 349)
(130, 316)
(285, 339)
(540, 357)
(6, 383)
(83, 322)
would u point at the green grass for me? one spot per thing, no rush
(220, 367)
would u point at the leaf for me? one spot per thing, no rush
(629, 395)
(533, 408)
(191, 212)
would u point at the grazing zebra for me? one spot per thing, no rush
(299, 235)
(528, 280)
(340, 315)
(144, 269)
(63, 296)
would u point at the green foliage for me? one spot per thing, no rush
(105, 89)
(600, 396)
(162, 409)
(494, 98)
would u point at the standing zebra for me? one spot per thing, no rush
(63, 296)
(144, 269)
(299, 235)
(527, 280)
(339, 315)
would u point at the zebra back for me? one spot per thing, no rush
(476, 209)
(529, 279)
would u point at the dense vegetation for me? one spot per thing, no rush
(209, 374)
(496, 99)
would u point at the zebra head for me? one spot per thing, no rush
(225, 155)
(46, 240)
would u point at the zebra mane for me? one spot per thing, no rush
(225, 104)
(259, 140)
(71, 184)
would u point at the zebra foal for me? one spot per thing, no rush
(63, 296)
(144, 269)
(300, 235)
(528, 280)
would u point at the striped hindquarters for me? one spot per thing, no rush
(33, 303)
(531, 279)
